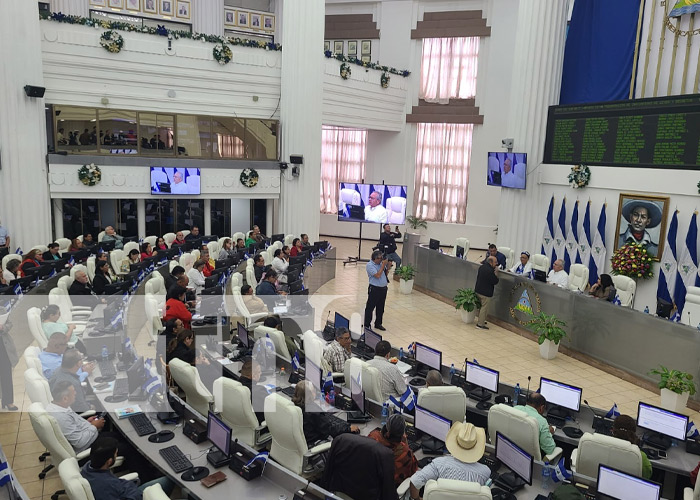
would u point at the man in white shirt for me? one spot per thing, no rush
(280, 264)
(375, 212)
(508, 178)
(79, 432)
(557, 276)
(178, 185)
(392, 382)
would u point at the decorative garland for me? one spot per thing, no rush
(370, 65)
(580, 176)
(632, 260)
(90, 174)
(345, 71)
(223, 54)
(249, 177)
(698, 187)
(159, 31)
(112, 41)
(384, 80)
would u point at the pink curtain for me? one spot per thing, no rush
(448, 69)
(443, 151)
(230, 146)
(343, 153)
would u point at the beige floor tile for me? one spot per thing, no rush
(52, 485)
(33, 447)
(30, 473)
(34, 489)
(26, 436)
(8, 438)
(27, 461)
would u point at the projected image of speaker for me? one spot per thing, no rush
(507, 170)
(175, 181)
(377, 203)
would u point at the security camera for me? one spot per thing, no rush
(507, 143)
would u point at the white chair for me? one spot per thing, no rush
(494, 166)
(90, 265)
(288, 239)
(63, 245)
(266, 257)
(154, 492)
(128, 247)
(460, 242)
(691, 310)
(578, 278)
(243, 310)
(10, 256)
(154, 325)
(277, 338)
(115, 259)
(214, 248)
(195, 254)
(37, 387)
(396, 210)
(520, 428)
(76, 268)
(349, 197)
(510, 255)
(34, 321)
(626, 288)
(371, 378)
(448, 401)
(31, 358)
(186, 261)
(169, 238)
(238, 236)
(41, 248)
(64, 283)
(100, 235)
(540, 262)
(596, 449)
(172, 265)
(187, 378)
(185, 233)
(152, 240)
(236, 280)
(286, 425)
(78, 318)
(452, 489)
(78, 488)
(692, 494)
(233, 399)
(250, 276)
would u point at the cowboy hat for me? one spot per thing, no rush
(652, 209)
(466, 442)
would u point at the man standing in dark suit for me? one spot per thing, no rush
(486, 279)
(387, 244)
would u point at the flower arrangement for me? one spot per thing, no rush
(580, 176)
(90, 174)
(632, 260)
(371, 65)
(222, 54)
(345, 71)
(384, 80)
(112, 41)
(249, 177)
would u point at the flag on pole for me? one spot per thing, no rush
(327, 383)
(687, 264)
(406, 402)
(559, 250)
(692, 431)
(597, 262)
(559, 472)
(5, 475)
(584, 241)
(548, 235)
(668, 264)
(572, 241)
(295, 362)
(613, 412)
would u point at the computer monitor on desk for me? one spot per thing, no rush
(243, 337)
(485, 379)
(136, 376)
(107, 246)
(517, 460)
(663, 424)
(435, 426)
(220, 436)
(434, 244)
(564, 397)
(619, 485)
(427, 358)
(341, 322)
(371, 339)
(358, 396)
(539, 275)
(118, 288)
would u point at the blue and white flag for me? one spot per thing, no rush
(71, 261)
(268, 343)
(559, 472)
(548, 235)
(596, 265)
(52, 274)
(559, 250)
(19, 251)
(327, 383)
(5, 475)
(668, 264)
(675, 317)
(263, 456)
(692, 431)
(296, 364)
(687, 265)
(571, 256)
(617, 300)
(584, 239)
(18, 291)
(613, 412)
(152, 385)
(117, 320)
(412, 349)
(475, 361)
(406, 402)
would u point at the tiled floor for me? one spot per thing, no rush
(408, 318)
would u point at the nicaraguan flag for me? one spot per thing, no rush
(269, 344)
(405, 402)
(597, 262)
(548, 235)
(617, 300)
(117, 320)
(676, 317)
(71, 261)
(584, 240)
(475, 361)
(692, 431)
(18, 291)
(152, 385)
(263, 456)
(5, 475)
(53, 273)
(559, 472)
(614, 412)
(559, 250)
(668, 264)
(19, 251)
(687, 265)
(327, 383)
(127, 347)
(296, 364)
(571, 256)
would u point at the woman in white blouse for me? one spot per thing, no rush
(196, 276)
(280, 264)
(524, 267)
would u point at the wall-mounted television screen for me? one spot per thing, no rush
(175, 181)
(380, 203)
(508, 170)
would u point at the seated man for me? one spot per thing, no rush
(253, 304)
(433, 379)
(107, 486)
(305, 240)
(68, 372)
(374, 211)
(52, 356)
(81, 291)
(557, 276)
(259, 267)
(536, 408)
(79, 432)
(51, 253)
(493, 252)
(172, 277)
(267, 289)
(338, 351)
(194, 234)
(111, 235)
(465, 443)
(392, 383)
(240, 244)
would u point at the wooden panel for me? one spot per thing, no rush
(418, 34)
(351, 26)
(455, 14)
(475, 119)
(349, 18)
(453, 102)
(352, 35)
(451, 23)
(445, 109)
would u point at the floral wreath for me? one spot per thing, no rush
(580, 176)
(345, 71)
(249, 177)
(90, 174)
(112, 41)
(384, 80)
(223, 54)
(633, 260)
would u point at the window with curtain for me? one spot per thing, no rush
(343, 154)
(448, 69)
(443, 151)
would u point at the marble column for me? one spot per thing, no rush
(71, 7)
(207, 217)
(25, 206)
(208, 16)
(539, 55)
(300, 113)
(141, 217)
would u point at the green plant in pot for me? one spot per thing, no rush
(405, 274)
(416, 222)
(467, 302)
(675, 386)
(549, 331)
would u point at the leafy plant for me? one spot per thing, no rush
(416, 222)
(467, 299)
(674, 380)
(547, 327)
(406, 272)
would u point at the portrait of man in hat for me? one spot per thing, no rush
(642, 220)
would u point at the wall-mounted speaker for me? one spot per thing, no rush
(33, 91)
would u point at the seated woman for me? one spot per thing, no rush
(175, 307)
(625, 428)
(179, 239)
(296, 247)
(182, 347)
(318, 425)
(102, 277)
(50, 324)
(104, 257)
(250, 376)
(227, 251)
(524, 267)
(253, 304)
(196, 276)
(604, 288)
(147, 251)
(75, 245)
(133, 258)
(393, 436)
(280, 264)
(160, 245)
(32, 259)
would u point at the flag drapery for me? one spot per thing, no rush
(669, 264)
(548, 235)
(598, 252)
(572, 240)
(559, 250)
(687, 264)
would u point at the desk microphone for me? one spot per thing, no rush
(597, 419)
(527, 394)
(328, 317)
(595, 415)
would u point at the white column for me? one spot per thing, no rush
(300, 113)
(208, 16)
(58, 218)
(207, 216)
(141, 217)
(539, 54)
(24, 192)
(71, 7)
(269, 217)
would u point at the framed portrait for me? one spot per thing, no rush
(229, 17)
(98, 3)
(242, 19)
(150, 6)
(366, 58)
(642, 219)
(133, 5)
(326, 45)
(352, 47)
(255, 21)
(166, 7)
(366, 47)
(338, 47)
(116, 4)
(183, 9)
(269, 23)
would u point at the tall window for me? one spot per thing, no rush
(448, 68)
(343, 154)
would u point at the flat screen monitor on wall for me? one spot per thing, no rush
(508, 170)
(378, 203)
(168, 181)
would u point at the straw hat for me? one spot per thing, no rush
(466, 442)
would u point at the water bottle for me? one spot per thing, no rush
(516, 395)
(401, 354)
(545, 476)
(105, 353)
(385, 413)
(646, 310)
(452, 370)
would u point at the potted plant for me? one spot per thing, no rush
(416, 223)
(675, 387)
(467, 302)
(412, 237)
(405, 274)
(549, 333)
